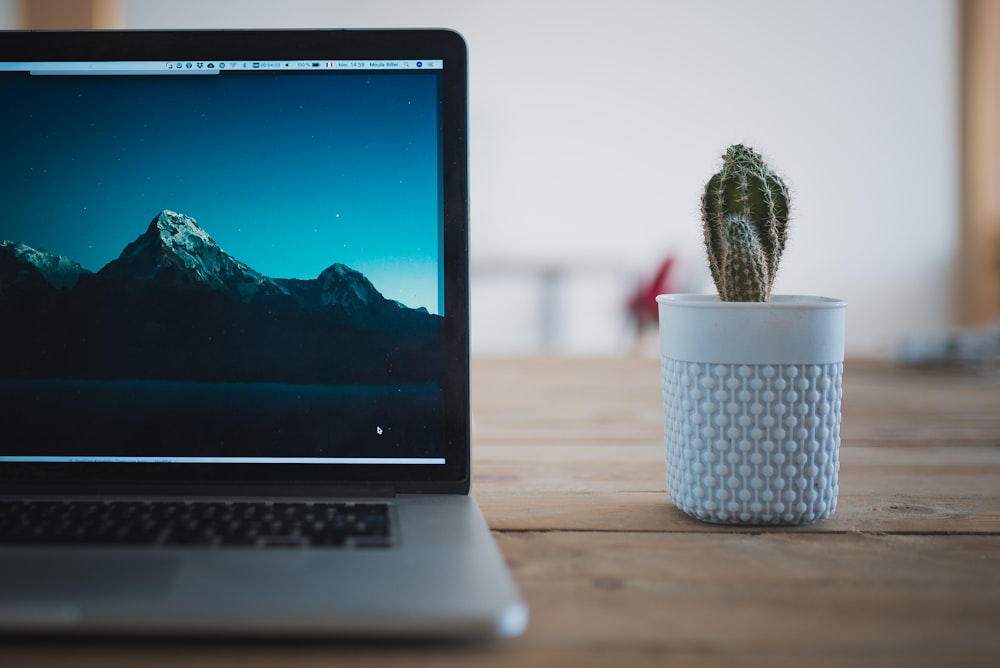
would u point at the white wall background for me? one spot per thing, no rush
(595, 123)
(8, 14)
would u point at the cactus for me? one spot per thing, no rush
(745, 214)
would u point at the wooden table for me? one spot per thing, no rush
(568, 462)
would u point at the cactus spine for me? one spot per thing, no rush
(745, 214)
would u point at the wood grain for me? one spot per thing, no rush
(821, 595)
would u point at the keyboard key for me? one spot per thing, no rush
(202, 524)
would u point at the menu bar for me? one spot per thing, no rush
(214, 66)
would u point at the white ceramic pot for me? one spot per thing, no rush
(751, 397)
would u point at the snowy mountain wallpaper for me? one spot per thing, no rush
(205, 266)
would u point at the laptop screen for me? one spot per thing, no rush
(220, 259)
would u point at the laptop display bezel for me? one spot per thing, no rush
(451, 477)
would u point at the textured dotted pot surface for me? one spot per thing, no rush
(755, 444)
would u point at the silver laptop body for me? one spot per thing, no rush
(234, 281)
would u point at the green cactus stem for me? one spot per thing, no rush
(745, 213)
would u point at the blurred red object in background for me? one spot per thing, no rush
(642, 304)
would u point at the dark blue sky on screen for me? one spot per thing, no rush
(290, 175)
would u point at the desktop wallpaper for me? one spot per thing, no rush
(241, 264)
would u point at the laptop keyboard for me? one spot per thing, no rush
(196, 523)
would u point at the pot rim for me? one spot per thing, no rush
(706, 300)
(790, 329)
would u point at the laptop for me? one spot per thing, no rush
(234, 350)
